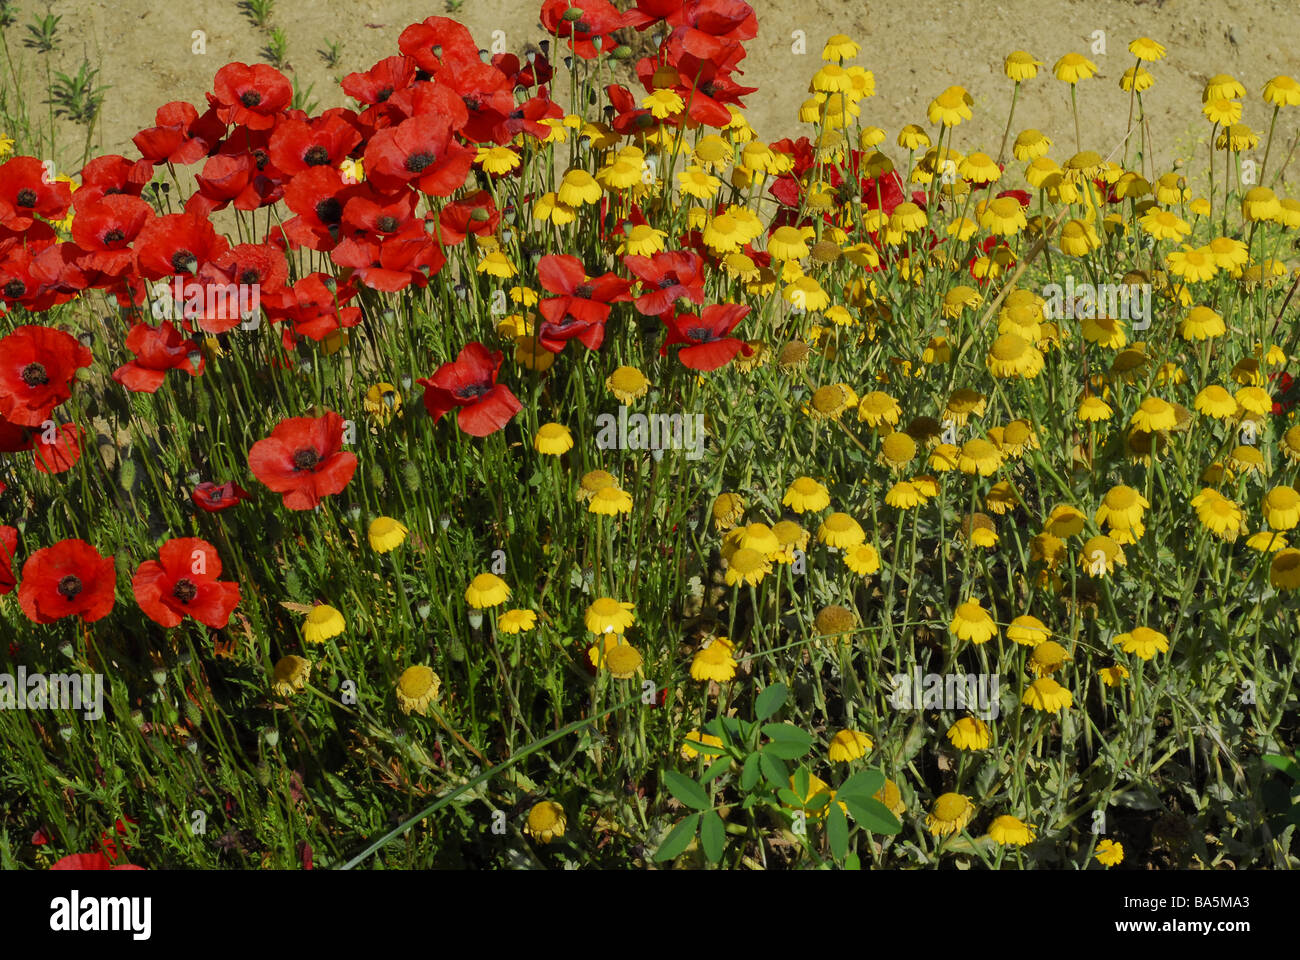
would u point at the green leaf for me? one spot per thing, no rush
(800, 783)
(678, 839)
(861, 786)
(712, 835)
(686, 790)
(1285, 764)
(837, 832)
(770, 701)
(774, 770)
(785, 749)
(750, 772)
(852, 862)
(716, 769)
(788, 742)
(873, 815)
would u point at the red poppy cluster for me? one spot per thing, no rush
(423, 115)
(71, 579)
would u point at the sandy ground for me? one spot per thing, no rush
(916, 48)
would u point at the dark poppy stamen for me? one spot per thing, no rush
(329, 210)
(249, 276)
(183, 261)
(416, 162)
(306, 459)
(250, 98)
(584, 291)
(473, 391)
(702, 334)
(383, 95)
(113, 236)
(15, 289)
(666, 282)
(35, 375)
(70, 586)
(261, 158)
(26, 198)
(185, 590)
(387, 224)
(317, 156)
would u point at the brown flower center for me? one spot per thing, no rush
(70, 586)
(185, 590)
(35, 375)
(306, 459)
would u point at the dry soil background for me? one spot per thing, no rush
(915, 47)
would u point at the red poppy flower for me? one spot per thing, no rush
(583, 306)
(438, 40)
(90, 861)
(475, 214)
(106, 228)
(182, 583)
(317, 309)
(111, 175)
(381, 81)
(666, 277)
(213, 498)
(470, 383)
(8, 549)
(488, 97)
(370, 213)
(157, 350)
(533, 70)
(709, 345)
(228, 179)
(177, 243)
(57, 450)
(37, 367)
(297, 145)
(25, 194)
(317, 196)
(395, 262)
(422, 151)
(180, 135)
(304, 460)
(258, 264)
(251, 96)
(67, 579)
(598, 20)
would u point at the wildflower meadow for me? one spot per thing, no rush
(531, 464)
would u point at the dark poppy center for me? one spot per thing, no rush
(329, 211)
(667, 281)
(387, 224)
(471, 102)
(585, 291)
(70, 586)
(701, 334)
(113, 236)
(416, 162)
(250, 98)
(473, 391)
(261, 158)
(249, 276)
(35, 375)
(185, 590)
(216, 496)
(15, 289)
(383, 95)
(183, 261)
(26, 197)
(581, 26)
(306, 459)
(317, 156)
(707, 88)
